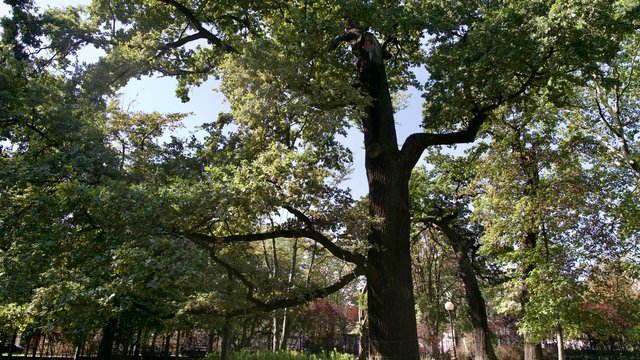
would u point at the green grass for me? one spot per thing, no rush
(285, 355)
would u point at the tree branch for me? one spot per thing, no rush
(239, 275)
(275, 304)
(299, 215)
(416, 143)
(302, 298)
(180, 42)
(206, 241)
(203, 33)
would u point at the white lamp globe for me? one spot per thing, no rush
(449, 306)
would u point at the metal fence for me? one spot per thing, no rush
(601, 355)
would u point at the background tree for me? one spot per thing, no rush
(442, 199)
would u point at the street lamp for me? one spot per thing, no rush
(449, 307)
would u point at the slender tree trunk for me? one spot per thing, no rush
(461, 244)
(27, 345)
(50, 345)
(362, 325)
(167, 346)
(274, 332)
(105, 348)
(178, 344)
(78, 350)
(136, 349)
(532, 350)
(483, 348)
(284, 334)
(13, 342)
(210, 342)
(153, 343)
(224, 347)
(286, 319)
(560, 338)
(36, 341)
(43, 344)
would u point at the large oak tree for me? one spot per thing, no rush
(298, 74)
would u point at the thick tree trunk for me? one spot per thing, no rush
(392, 318)
(483, 348)
(108, 336)
(391, 306)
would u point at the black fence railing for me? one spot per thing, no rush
(601, 355)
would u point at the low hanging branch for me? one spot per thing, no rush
(207, 241)
(265, 306)
(301, 298)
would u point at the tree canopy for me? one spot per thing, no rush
(109, 218)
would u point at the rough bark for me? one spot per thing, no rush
(108, 336)
(392, 318)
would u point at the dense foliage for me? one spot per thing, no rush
(116, 227)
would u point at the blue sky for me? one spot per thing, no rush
(157, 94)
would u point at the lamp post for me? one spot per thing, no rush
(449, 307)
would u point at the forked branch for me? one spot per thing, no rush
(197, 24)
